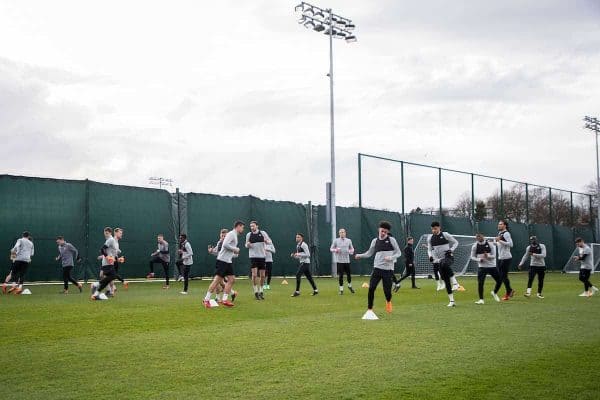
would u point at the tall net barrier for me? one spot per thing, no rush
(462, 256)
(79, 210)
(573, 266)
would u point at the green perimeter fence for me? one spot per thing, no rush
(79, 210)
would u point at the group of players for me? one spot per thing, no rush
(493, 257)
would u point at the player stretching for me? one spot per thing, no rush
(587, 266)
(504, 243)
(270, 250)
(67, 254)
(186, 259)
(537, 252)
(342, 249)
(386, 252)
(256, 241)
(485, 256)
(23, 251)
(161, 256)
(409, 261)
(440, 247)
(224, 265)
(302, 254)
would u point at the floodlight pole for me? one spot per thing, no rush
(332, 145)
(593, 124)
(344, 30)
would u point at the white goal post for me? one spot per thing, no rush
(573, 266)
(462, 256)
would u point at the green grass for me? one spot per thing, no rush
(151, 344)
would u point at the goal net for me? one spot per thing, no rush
(573, 266)
(462, 256)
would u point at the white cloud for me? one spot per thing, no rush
(232, 97)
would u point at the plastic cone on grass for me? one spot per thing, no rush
(284, 282)
(365, 285)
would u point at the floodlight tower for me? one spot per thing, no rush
(593, 124)
(338, 27)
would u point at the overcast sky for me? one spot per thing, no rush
(231, 97)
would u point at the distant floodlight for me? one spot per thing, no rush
(350, 39)
(330, 32)
(341, 22)
(309, 11)
(319, 14)
(350, 26)
(299, 7)
(302, 20)
(310, 25)
(340, 35)
(319, 28)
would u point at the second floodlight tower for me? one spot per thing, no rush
(335, 26)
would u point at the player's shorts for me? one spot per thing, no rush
(258, 263)
(269, 265)
(343, 268)
(224, 269)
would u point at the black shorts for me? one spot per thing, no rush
(258, 263)
(269, 265)
(343, 268)
(224, 269)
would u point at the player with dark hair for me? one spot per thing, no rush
(186, 259)
(302, 254)
(505, 243)
(587, 266)
(224, 265)
(23, 250)
(161, 256)
(409, 263)
(67, 254)
(484, 255)
(256, 242)
(386, 251)
(270, 250)
(440, 248)
(537, 252)
(108, 254)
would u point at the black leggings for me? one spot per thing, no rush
(482, 273)
(107, 278)
(20, 268)
(68, 278)
(503, 268)
(376, 276)
(409, 271)
(584, 276)
(117, 276)
(165, 265)
(445, 271)
(344, 268)
(304, 269)
(269, 268)
(436, 271)
(541, 273)
(186, 276)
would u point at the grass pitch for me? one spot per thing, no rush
(148, 343)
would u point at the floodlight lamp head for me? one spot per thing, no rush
(350, 39)
(299, 7)
(319, 28)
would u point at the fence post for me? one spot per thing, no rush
(527, 203)
(572, 215)
(86, 234)
(501, 198)
(440, 190)
(402, 183)
(360, 180)
(550, 205)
